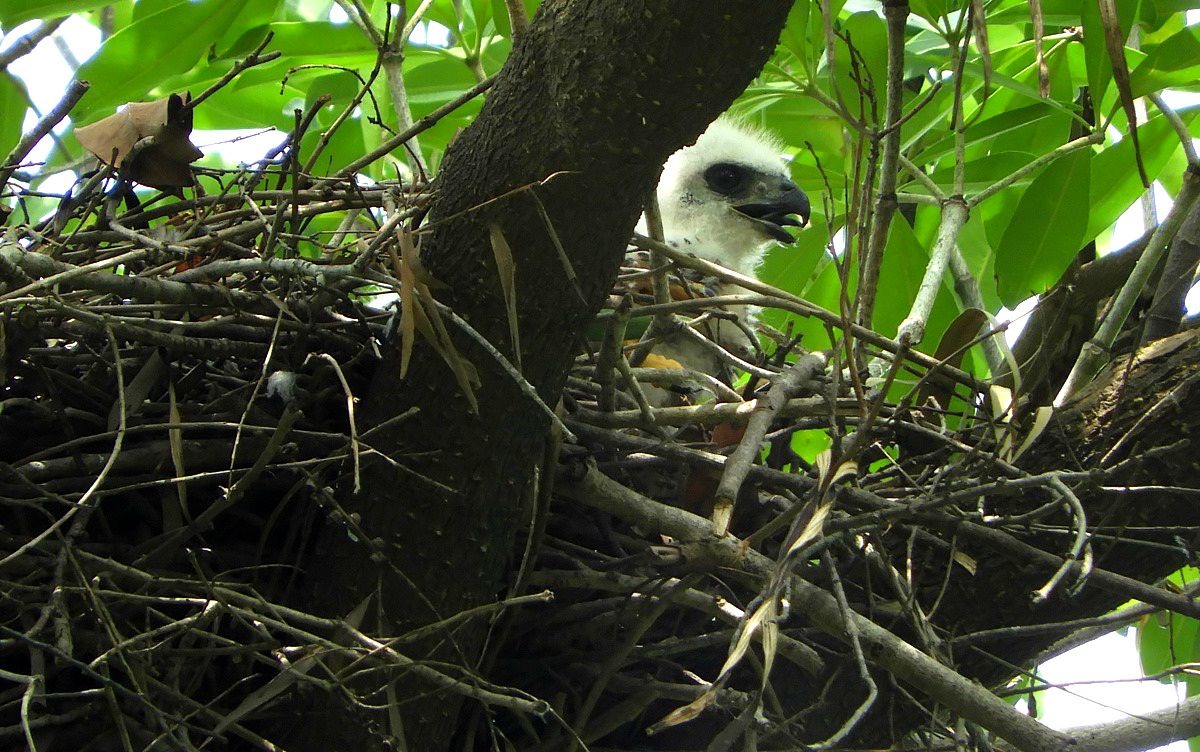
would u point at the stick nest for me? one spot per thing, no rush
(177, 408)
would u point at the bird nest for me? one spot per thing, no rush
(177, 404)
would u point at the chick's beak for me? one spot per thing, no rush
(777, 213)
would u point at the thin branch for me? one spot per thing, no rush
(954, 216)
(74, 93)
(896, 14)
(418, 127)
(883, 648)
(1095, 352)
(26, 43)
(791, 380)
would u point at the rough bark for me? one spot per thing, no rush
(592, 100)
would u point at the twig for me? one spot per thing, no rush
(1079, 549)
(418, 127)
(350, 400)
(954, 216)
(1094, 353)
(967, 287)
(791, 380)
(883, 648)
(896, 15)
(517, 18)
(860, 660)
(256, 57)
(1084, 142)
(774, 297)
(27, 42)
(83, 506)
(610, 353)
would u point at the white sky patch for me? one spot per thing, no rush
(1107, 660)
(46, 73)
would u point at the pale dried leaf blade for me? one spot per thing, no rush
(845, 469)
(766, 610)
(770, 643)
(965, 561)
(1041, 419)
(138, 388)
(812, 529)
(823, 462)
(464, 371)
(1000, 398)
(355, 617)
(1000, 402)
(404, 270)
(280, 683)
(506, 267)
(1010, 360)
(1005, 449)
(175, 506)
(683, 715)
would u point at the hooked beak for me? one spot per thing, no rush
(776, 214)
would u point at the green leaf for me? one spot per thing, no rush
(132, 61)
(1122, 186)
(315, 41)
(1046, 230)
(1164, 642)
(1099, 69)
(14, 12)
(795, 34)
(346, 143)
(809, 443)
(977, 173)
(868, 33)
(933, 10)
(804, 270)
(1175, 62)
(984, 131)
(1155, 13)
(13, 104)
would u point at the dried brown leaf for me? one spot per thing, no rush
(506, 267)
(951, 349)
(684, 714)
(404, 270)
(1114, 42)
(148, 141)
(980, 30)
(1039, 32)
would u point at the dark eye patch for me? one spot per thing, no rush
(727, 178)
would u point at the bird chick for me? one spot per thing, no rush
(726, 198)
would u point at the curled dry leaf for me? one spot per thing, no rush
(147, 141)
(506, 267)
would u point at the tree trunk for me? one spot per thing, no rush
(591, 102)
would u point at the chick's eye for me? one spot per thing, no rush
(726, 178)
